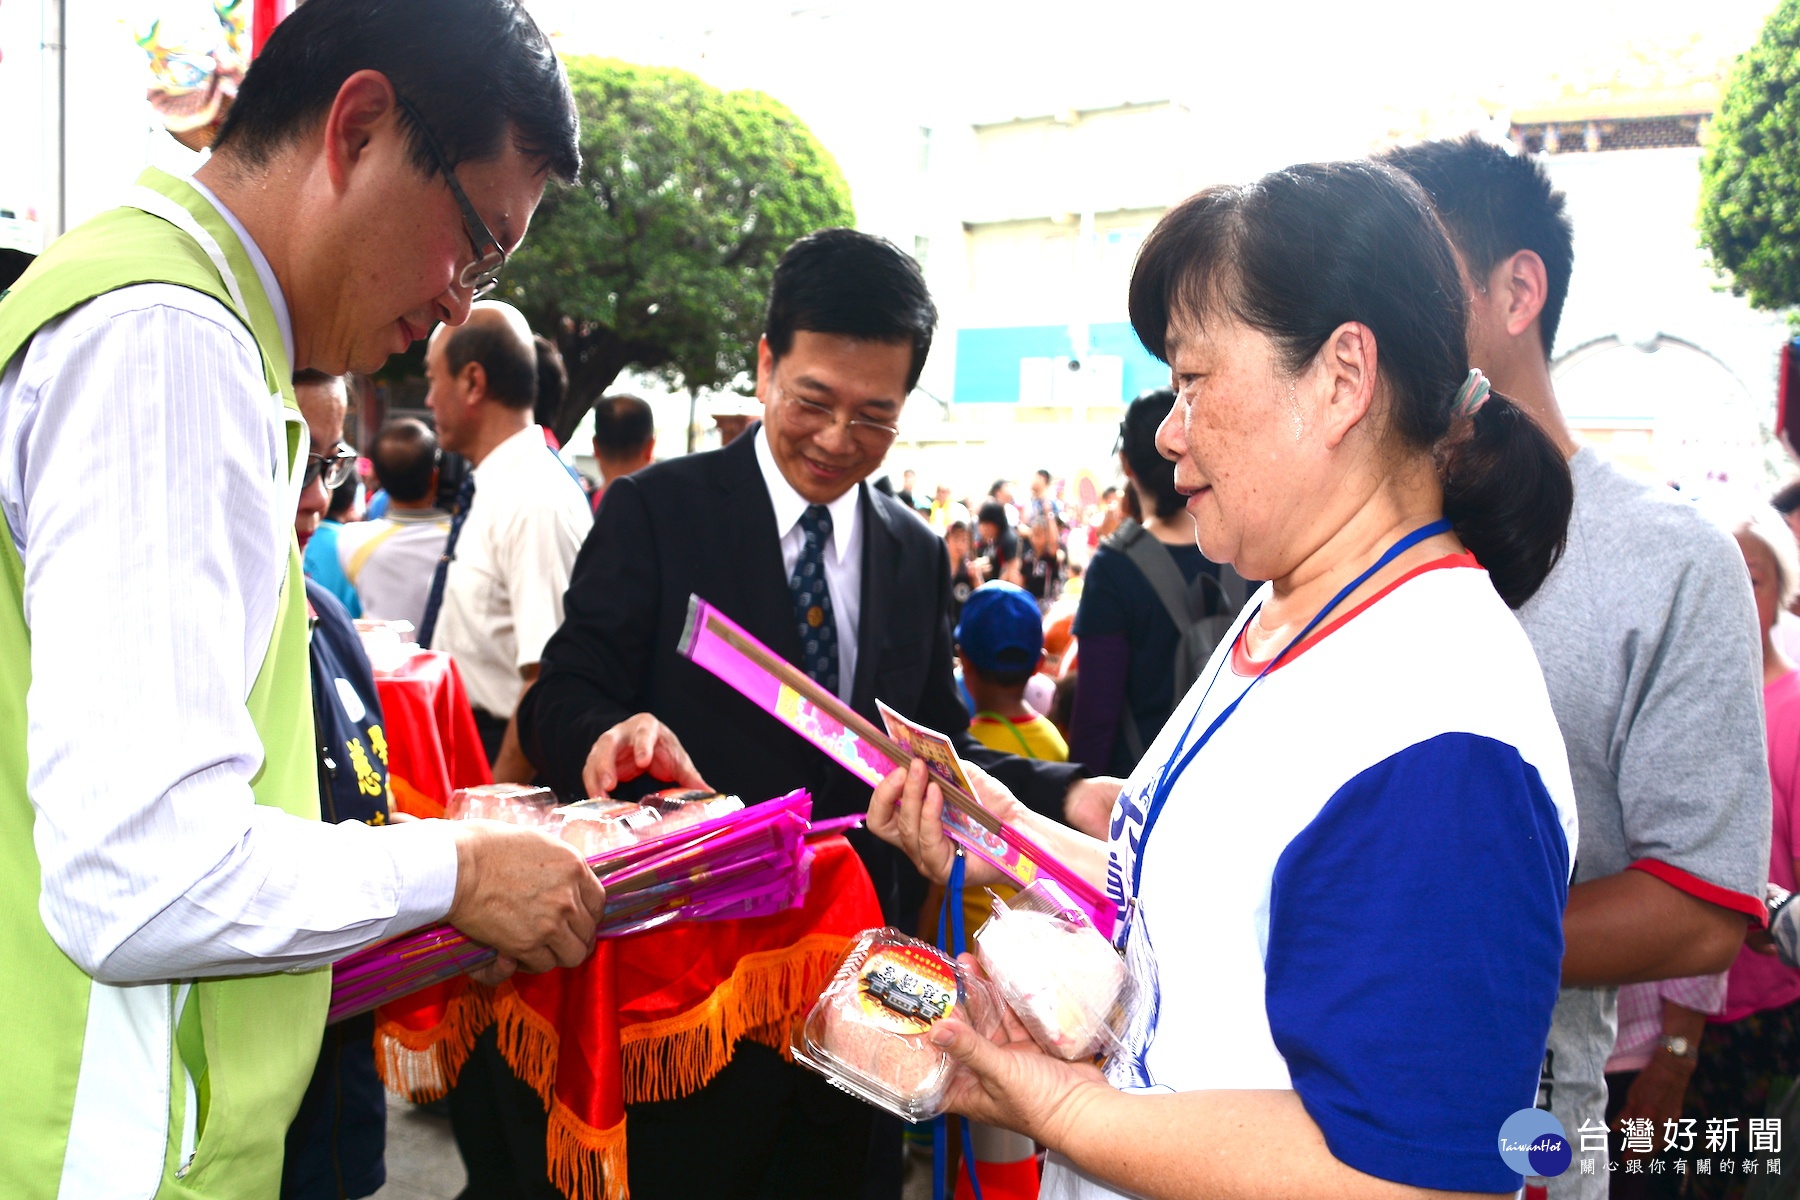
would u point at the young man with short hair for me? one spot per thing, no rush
(390, 560)
(1647, 635)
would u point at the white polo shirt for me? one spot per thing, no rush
(390, 561)
(503, 597)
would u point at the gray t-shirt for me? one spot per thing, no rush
(1646, 632)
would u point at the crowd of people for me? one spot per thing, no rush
(1435, 770)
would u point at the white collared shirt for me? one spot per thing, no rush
(137, 483)
(843, 553)
(503, 597)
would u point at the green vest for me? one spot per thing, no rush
(171, 1090)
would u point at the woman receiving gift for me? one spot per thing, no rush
(1340, 869)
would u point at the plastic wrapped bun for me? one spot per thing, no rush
(596, 826)
(680, 808)
(512, 803)
(1064, 981)
(870, 1032)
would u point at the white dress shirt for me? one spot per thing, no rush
(503, 597)
(138, 483)
(842, 554)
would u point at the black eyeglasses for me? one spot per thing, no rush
(334, 468)
(483, 274)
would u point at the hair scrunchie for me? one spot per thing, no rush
(1472, 394)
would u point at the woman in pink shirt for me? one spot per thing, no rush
(1753, 1046)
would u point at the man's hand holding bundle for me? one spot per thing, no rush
(528, 895)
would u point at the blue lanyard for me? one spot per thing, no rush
(1179, 760)
(951, 941)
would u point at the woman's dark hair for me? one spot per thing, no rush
(852, 283)
(1304, 250)
(474, 70)
(1137, 442)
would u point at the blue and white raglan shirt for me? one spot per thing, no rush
(1356, 889)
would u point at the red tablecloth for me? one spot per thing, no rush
(649, 1017)
(433, 745)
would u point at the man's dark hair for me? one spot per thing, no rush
(1787, 500)
(1043, 475)
(552, 380)
(992, 513)
(1496, 203)
(998, 484)
(623, 425)
(510, 361)
(1137, 442)
(845, 282)
(473, 70)
(313, 377)
(343, 497)
(405, 454)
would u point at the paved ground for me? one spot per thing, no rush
(422, 1163)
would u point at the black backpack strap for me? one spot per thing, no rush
(1166, 580)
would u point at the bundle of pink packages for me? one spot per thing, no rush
(676, 856)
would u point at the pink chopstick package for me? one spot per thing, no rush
(715, 642)
(744, 862)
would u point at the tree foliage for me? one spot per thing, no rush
(660, 259)
(1750, 189)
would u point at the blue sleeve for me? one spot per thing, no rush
(320, 563)
(1414, 956)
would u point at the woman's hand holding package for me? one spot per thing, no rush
(907, 810)
(1009, 1081)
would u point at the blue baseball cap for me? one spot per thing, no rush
(1000, 629)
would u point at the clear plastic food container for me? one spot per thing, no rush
(596, 826)
(513, 803)
(870, 1032)
(1060, 977)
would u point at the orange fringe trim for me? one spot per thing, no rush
(528, 1042)
(586, 1162)
(422, 1064)
(764, 999)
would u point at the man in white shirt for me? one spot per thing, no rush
(390, 560)
(162, 874)
(503, 593)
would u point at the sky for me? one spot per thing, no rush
(1286, 81)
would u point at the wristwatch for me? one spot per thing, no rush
(1680, 1047)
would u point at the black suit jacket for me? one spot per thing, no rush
(704, 524)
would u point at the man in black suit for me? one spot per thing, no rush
(779, 532)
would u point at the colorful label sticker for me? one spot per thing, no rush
(905, 988)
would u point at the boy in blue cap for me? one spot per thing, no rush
(1000, 642)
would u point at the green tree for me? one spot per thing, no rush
(1750, 175)
(660, 259)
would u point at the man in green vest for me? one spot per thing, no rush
(168, 897)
